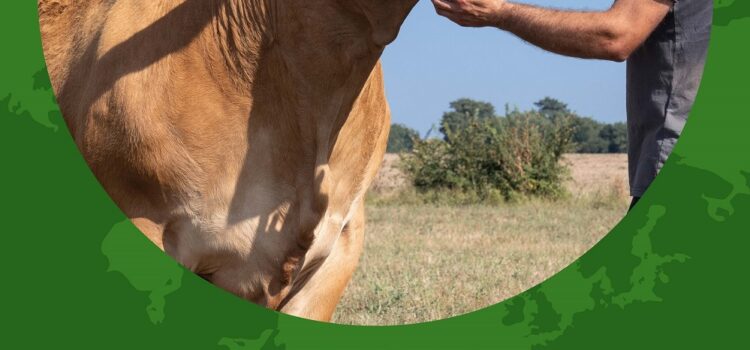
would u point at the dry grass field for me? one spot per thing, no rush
(424, 263)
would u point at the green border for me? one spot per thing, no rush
(78, 275)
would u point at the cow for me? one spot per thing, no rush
(240, 136)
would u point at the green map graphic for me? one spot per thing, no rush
(548, 314)
(728, 11)
(145, 269)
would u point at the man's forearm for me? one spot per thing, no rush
(613, 34)
(570, 33)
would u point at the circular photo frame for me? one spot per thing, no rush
(81, 275)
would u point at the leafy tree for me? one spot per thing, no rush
(616, 136)
(463, 111)
(552, 108)
(586, 136)
(589, 135)
(401, 139)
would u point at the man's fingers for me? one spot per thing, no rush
(458, 19)
(452, 10)
(445, 5)
(445, 13)
(449, 15)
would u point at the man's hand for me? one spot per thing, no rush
(471, 13)
(611, 35)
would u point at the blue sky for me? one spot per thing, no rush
(434, 62)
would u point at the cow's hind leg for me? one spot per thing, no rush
(318, 298)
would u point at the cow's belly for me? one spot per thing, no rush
(253, 249)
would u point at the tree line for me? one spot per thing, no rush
(587, 134)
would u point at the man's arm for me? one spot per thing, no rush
(612, 35)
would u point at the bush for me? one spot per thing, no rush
(518, 155)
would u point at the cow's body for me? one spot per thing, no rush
(240, 136)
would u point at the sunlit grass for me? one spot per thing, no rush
(427, 262)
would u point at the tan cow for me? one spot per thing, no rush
(239, 135)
